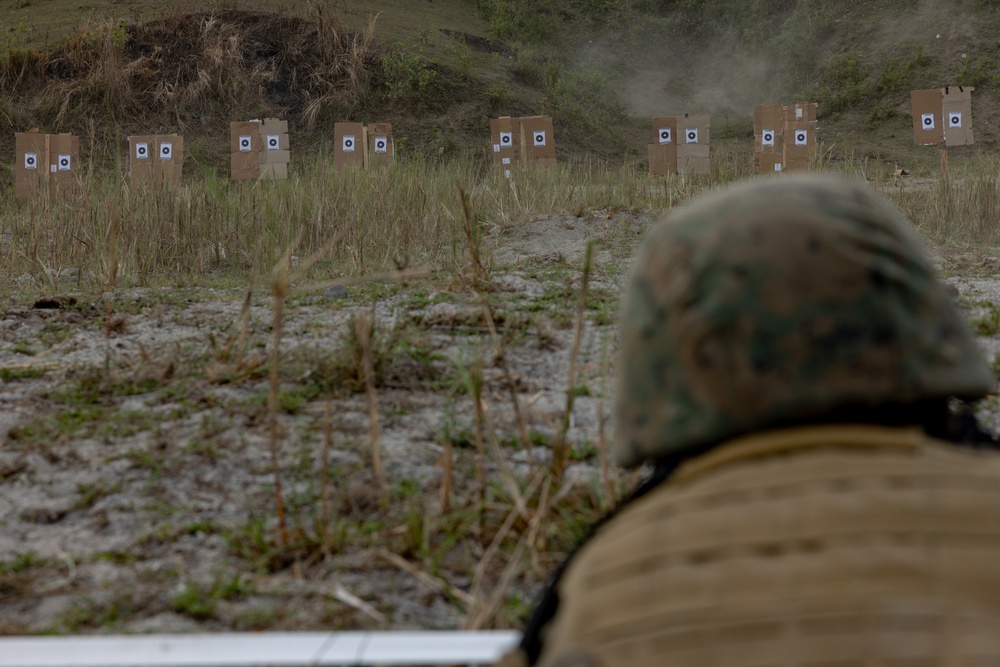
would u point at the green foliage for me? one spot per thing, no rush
(416, 82)
(846, 83)
(584, 104)
(11, 374)
(194, 601)
(119, 35)
(539, 21)
(884, 112)
(91, 493)
(528, 21)
(499, 97)
(977, 72)
(528, 69)
(988, 324)
(21, 563)
(88, 613)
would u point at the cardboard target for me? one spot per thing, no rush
(691, 135)
(166, 150)
(955, 119)
(31, 161)
(767, 138)
(539, 138)
(506, 139)
(142, 151)
(349, 143)
(664, 134)
(381, 145)
(273, 142)
(927, 121)
(246, 143)
(801, 138)
(65, 161)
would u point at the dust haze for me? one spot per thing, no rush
(668, 77)
(658, 74)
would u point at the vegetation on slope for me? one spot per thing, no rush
(601, 68)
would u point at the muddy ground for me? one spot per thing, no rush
(136, 479)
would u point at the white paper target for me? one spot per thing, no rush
(31, 161)
(767, 137)
(539, 138)
(65, 162)
(142, 151)
(349, 143)
(505, 160)
(955, 119)
(496, 148)
(52, 168)
(801, 138)
(166, 150)
(506, 139)
(691, 135)
(507, 173)
(246, 143)
(381, 145)
(273, 142)
(927, 121)
(798, 113)
(664, 134)
(777, 166)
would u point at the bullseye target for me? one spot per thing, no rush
(691, 135)
(665, 135)
(348, 143)
(381, 145)
(506, 139)
(955, 119)
(801, 138)
(142, 151)
(64, 162)
(767, 138)
(539, 138)
(246, 143)
(166, 150)
(273, 142)
(927, 121)
(31, 161)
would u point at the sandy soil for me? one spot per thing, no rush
(136, 485)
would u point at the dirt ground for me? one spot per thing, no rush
(136, 479)
(136, 485)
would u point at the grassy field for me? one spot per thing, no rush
(381, 398)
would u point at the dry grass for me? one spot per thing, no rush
(397, 218)
(190, 71)
(387, 224)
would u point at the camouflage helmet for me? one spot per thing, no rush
(780, 300)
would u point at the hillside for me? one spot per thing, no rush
(439, 69)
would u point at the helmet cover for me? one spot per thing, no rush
(778, 300)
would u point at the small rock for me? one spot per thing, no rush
(44, 515)
(336, 292)
(55, 302)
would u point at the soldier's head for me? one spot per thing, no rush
(781, 301)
